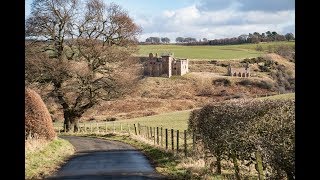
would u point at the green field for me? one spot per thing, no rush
(210, 52)
(177, 120)
(280, 96)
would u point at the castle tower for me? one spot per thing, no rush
(166, 65)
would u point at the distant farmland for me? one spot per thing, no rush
(211, 52)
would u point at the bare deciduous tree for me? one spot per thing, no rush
(95, 61)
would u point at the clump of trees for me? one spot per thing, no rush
(80, 53)
(38, 122)
(157, 40)
(261, 132)
(253, 38)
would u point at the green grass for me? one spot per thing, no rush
(41, 163)
(177, 120)
(210, 52)
(280, 96)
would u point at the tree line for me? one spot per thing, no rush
(255, 37)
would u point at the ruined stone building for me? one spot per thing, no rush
(165, 66)
(239, 72)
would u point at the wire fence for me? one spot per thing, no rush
(177, 141)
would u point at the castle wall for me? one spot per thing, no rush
(184, 67)
(166, 65)
(240, 72)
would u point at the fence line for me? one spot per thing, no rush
(182, 142)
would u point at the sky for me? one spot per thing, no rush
(211, 19)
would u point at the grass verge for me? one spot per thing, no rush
(43, 161)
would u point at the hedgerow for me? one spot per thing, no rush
(254, 131)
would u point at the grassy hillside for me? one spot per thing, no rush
(210, 52)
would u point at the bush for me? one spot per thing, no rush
(111, 119)
(245, 82)
(261, 84)
(222, 81)
(284, 78)
(38, 122)
(264, 85)
(259, 48)
(239, 128)
(253, 60)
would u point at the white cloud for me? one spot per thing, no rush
(228, 22)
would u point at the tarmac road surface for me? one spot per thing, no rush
(103, 159)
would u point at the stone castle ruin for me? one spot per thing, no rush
(239, 72)
(165, 66)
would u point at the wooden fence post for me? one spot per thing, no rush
(177, 141)
(161, 137)
(147, 132)
(139, 129)
(106, 127)
(97, 127)
(128, 129)
(135, 129)
(185, 143)
(193, 141)
(65, 128)
(151, 133)
(154, 135)
(172, 145)
(166, 138)
(157, 135)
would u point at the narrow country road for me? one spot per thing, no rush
(104, 159)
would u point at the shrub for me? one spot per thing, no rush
(245, 82)
(259, 48)
(261, 84)
(222, 81)
(253, 60)
(284, 78)
(213, 62)
(264, 85)
(111, 119)
(38, 122)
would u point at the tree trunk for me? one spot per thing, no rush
(76, 125)
(67, 123)
(259, 166)
(218, 164)
(235, 164)
(71, 121)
